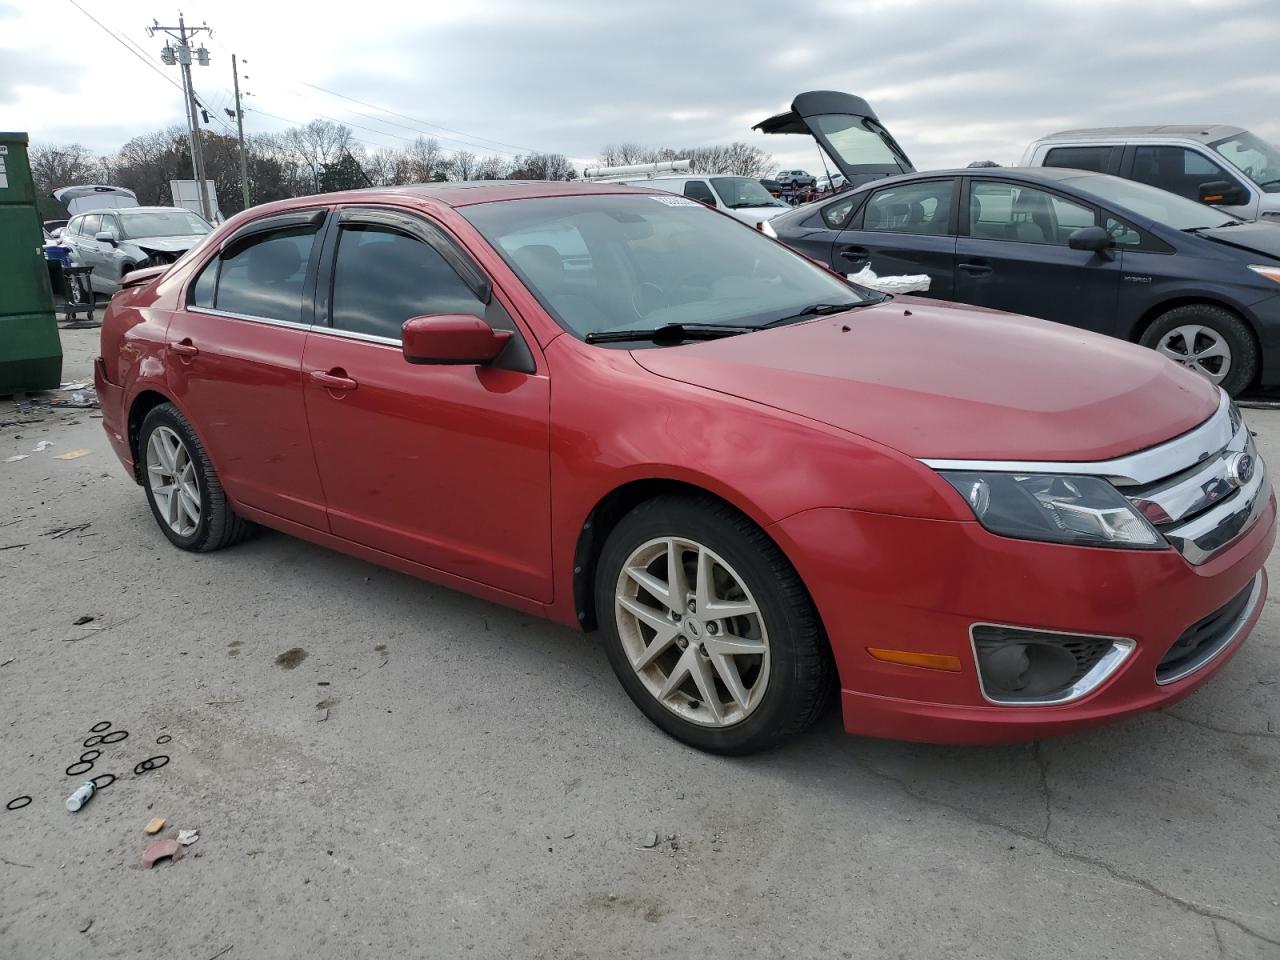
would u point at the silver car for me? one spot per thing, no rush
(115, 242)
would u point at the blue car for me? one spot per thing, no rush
(1085, 249)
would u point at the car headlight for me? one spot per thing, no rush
(1084, 511)
(1271, 273)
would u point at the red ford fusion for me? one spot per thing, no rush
(624, 411)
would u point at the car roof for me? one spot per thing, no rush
(464, 193)
(1202, 132)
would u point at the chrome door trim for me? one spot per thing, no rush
(269, 321)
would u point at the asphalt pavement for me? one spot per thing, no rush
(381, 768)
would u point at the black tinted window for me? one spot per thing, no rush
(382, 278)
(1177, 169)
(698, 190)
(920, 208)
(837, 213)
(1097, 159)
(264, 275)
(203, 289)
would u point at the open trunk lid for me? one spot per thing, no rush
(847, 130)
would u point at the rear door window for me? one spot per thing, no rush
(916, 208)
(265, 275)
(698, 190)
(1011, 211)
(1096, 159)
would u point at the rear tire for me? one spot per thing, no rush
(183, 489)
(751, 639)
(1211, 340)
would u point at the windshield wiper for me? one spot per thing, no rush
(668, 333)
(822, 309)
(1216, 226)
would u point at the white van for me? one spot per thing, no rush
(1227, 167)
(739, 197)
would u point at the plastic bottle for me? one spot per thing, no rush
(80, 797)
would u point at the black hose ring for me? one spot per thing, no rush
(86, 764)
(98, 786)
(100, 726)
(17, 804)
(85, 758)
(150, 764)
(115, 736)
(93, 741)
(163, 738)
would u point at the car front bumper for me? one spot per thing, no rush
(920, 585)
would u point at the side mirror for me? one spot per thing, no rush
(1223, 192)
(1090, 238)
(104, 236)
(452, 338)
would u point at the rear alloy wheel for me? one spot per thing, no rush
(182, 487)
(709, 628)
(1212, 341)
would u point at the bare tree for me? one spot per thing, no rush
(464, 165)
(424, 160)
(320, 142)
(542, 166)
(492, 167)
(64, 166)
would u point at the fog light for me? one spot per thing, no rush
(1030, 667)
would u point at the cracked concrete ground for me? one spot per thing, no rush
(380, 767)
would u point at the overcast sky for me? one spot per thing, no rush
(954, 80)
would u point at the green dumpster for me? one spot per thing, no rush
(30, 352)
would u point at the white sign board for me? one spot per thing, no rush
(187, 195)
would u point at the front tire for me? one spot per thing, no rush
(709, 628)
(1213, 341)
(186, 497)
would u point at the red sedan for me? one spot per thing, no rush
(621, 410)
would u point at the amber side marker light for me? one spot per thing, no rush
(930, 661)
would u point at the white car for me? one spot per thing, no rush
(739, 197)
(116, 241)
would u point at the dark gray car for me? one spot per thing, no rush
(1085, 249)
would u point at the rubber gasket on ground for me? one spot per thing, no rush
(100, 726)
(92, 741)
(113, 738)
(85, 758)
(15, 805)
(86, 764)
(163, 738)
(111, 778)
(150, 764)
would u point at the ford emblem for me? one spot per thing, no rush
(1240, 469)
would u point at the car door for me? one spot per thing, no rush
(447, 466)
(236, 364)
(1184, 171)
(91, 253)
(111, 257)
(1016, 256)
(904, 228)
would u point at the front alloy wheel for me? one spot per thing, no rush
(1200, 349)
(171, 475)
(692, 632)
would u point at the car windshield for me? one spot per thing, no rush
(639, 262)
(163, 223)
(1256, 159)
(740, 192)
(1159, 205)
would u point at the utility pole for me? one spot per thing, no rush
(244, 168)
(182, 54)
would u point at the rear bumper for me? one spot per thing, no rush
(918, 585)
(115, 420)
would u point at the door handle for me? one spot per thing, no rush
(335, 379)
(976, 269)
(855, 254)
(185, 348)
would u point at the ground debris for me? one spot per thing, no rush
(651, 840)
(154, 825)
(159, 850)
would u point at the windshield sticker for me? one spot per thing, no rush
(677, 201)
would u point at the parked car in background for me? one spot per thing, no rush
(1086, 249)
(831, 183)
(1228, 167)
(796, 178)
(84, 197)
(761, 483)
(740, 197)
(117, 241)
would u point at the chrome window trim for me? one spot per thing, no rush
(270, 321)
(1228, 638)
(1135, 469)
(355, 335)
(1104, 669)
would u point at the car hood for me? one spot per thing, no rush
(756, 214)
(952, 382)
(166, 244)
(1257, 236)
